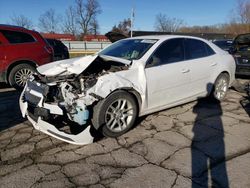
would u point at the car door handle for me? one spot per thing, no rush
(185, 70)
(213, 64)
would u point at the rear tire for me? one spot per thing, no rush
(220, 87)
(19, 75)
(116, 114)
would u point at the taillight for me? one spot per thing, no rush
(49, 49)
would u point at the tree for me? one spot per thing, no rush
(219, 28)
(240, 18)
(163, 23)
(86, 14)
(123, 27)
(22, 21)
(94, 26)
(49, 21)
(243, 11)
(70, 23)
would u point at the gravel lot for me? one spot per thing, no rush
(202, 141)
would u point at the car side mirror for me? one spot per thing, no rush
(153, 61)
(150, 62)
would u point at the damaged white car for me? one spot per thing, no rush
(131, 78)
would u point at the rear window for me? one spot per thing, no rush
(16, 37)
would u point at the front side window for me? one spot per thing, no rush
(169, 52)
(16, 37)
(130, 49)
(196, 49)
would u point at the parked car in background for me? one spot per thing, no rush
(21, 51)
(130, 78)
(224, 44)
(241, 52)
(60, 50)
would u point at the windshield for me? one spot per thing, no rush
(129, 49)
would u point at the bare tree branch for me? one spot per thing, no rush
(243, 10)
(123, 27)
(164, 23)
(239, 21)
(241, 13)
(94, 26)
(22, 21)
(69, 23)
(49, 21)
(87, 13)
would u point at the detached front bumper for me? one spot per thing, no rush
(37, 121)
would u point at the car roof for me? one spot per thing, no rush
(164, 37)
(13, 27)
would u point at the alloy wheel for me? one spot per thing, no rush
(221, 88)
(22, 76)
(119, 115)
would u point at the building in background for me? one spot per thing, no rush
(69, 37)
(62, 37)
(95, 38)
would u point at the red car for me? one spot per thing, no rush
(21, 51)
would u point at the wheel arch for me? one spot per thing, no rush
(130, 91)
(135, 94)
(19, 62)
(223, 72)
(211, 93)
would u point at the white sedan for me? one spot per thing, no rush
(132, 77)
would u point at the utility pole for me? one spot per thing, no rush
(132, 22)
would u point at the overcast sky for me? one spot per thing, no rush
(193, 12)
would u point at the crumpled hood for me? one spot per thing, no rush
(74, 66)
(66, 67)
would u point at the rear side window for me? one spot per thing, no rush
(16, 37)
(197, 49)
(210, 51)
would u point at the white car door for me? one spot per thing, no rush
(167, 75)
(202, 64)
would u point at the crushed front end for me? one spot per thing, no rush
(56, 97)
(49, 105)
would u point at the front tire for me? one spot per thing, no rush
(19, 74)
(116, 114)
(221, 87)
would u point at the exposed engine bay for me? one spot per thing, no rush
(69, 92)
